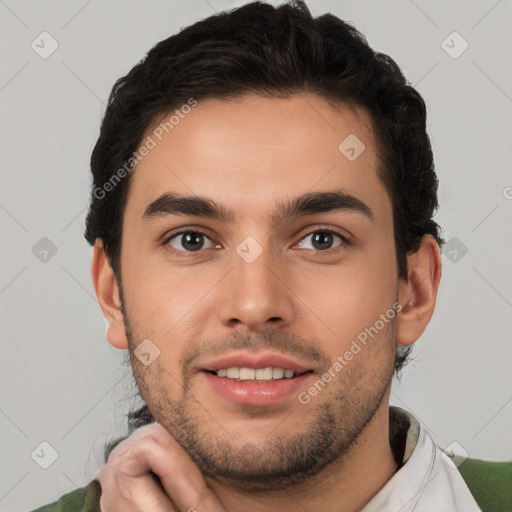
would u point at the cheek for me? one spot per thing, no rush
(342, 300)
(161, 294)
(169, 306)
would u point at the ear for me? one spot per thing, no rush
(418, 293)
(107, 292)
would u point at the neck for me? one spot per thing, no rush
(346, 485)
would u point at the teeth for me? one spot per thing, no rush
(277, 373)
(247, 374)
(264, 374)
(261, 374)
(233, 373)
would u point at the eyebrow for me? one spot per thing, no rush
(171, 203)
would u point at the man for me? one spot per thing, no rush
(264, 247)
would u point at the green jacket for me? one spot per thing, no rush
(85, 499)
(489, 482)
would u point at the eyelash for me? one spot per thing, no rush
(345, 242)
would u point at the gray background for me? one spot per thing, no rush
(62, 383)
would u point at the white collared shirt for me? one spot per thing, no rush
(427, 482)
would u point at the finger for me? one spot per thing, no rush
(132, 494)
(145, 493)
(154, 449)
(111, 499)
(111, 504)
(207, 503)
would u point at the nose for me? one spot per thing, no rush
(255, 295)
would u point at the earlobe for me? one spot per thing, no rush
(107, 293)
(418, 293)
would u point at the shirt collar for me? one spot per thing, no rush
(424, 480)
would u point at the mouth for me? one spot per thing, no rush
(256, 379)
(257, 374)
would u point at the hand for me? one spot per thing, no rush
(129, 484)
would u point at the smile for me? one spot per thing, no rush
(259, 374)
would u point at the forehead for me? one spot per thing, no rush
(251, 152)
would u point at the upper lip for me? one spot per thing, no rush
(255, 361)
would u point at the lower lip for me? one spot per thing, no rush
(250, 392)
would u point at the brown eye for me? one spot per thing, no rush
(189, 241)
(323, 240)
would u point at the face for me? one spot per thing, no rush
(268, 305)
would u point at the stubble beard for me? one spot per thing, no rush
(330, 425)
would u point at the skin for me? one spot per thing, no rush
(249, 154)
